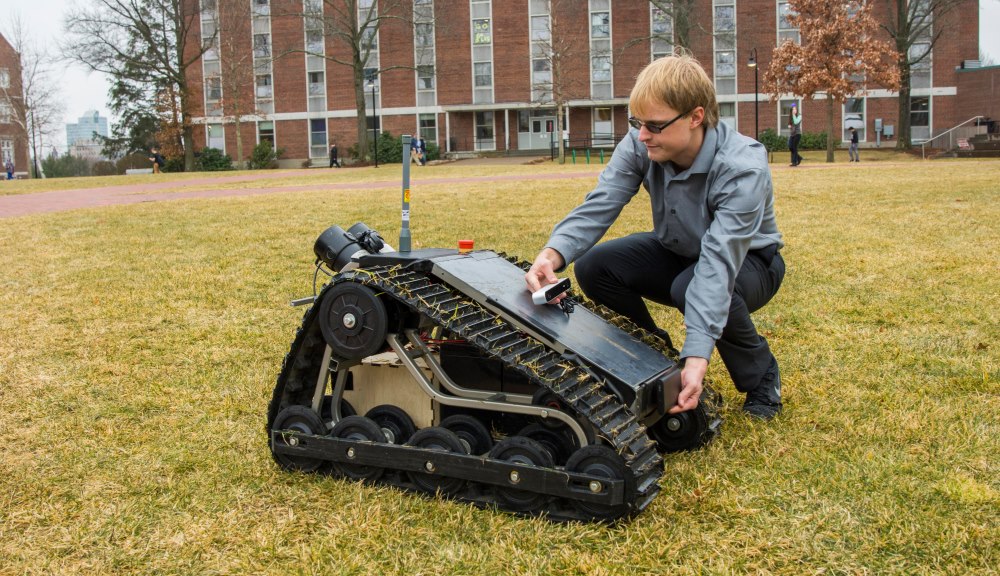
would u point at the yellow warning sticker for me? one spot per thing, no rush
(406, 194)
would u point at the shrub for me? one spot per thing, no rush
(103, 168)
(264, 156)
(174, 164)
(776, 142)
(213, 160)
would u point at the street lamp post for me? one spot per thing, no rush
(753, 64)
(371, 82)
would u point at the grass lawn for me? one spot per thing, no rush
(139, 347)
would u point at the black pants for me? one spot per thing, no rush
(793, 145)
(621, 273)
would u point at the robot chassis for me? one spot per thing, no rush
(476, 393)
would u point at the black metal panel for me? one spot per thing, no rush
(499, 285)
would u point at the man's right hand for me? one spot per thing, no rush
(543, 270)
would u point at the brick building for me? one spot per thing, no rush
(481, 75)
(13, 141)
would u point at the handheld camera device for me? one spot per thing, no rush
(547, 294)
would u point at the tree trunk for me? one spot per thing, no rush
(239, 142)
(903, 132)
(559, 132)
(829, 127)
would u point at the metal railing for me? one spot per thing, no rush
(951, 134)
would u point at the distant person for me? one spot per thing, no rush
(333, 157)
(795, 135)
(9, 165)
(852, 151)
(157, 160)
(418, 151)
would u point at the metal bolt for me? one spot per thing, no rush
(349, 320)
(545, 413)
(673, 424)
(429, 466)
(293, 441)
(595, 486)
(514, 477)
(350, 452)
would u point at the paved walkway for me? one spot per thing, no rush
(61, 200)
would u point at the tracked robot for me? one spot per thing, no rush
(436, 371)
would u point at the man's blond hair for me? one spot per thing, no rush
(677, 81)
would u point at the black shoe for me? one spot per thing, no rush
(764, 401)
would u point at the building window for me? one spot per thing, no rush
(264, 89)
(265, 132)
(7, 151)
(4, 78)
(481, 31)
(6, 113)
(425, 77)
(540, 23)
(428, 127)
(317, 138)
(724, 24)
(484, 131)
(854, 117)
(484, 74)
(727, 114)
(215, 135)
(317, 85)
(423, 34)
(920, 118)
(785, 30)
(920, 67)
(482, 51)
(604, 131)
(213, 89)
(785, 115)
(424, 52)
(601, 87)
(261, 45)
(661, 26)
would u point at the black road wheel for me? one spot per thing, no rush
(520, 450)
(395, 423)
(360, 429)
(473, 433)
(353, 320)
(688, 430)
(603, 462)
(326, 410)
(303, 420)
(557, 441)
(547, 398)
(433, 482)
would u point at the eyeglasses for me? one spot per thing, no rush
(655, 128)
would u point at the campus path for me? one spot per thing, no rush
(62, 200)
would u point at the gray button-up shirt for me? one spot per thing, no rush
(715, 211)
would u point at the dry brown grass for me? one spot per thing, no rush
(139, 346)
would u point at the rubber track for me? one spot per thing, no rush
(499, 339)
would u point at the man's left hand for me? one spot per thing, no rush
(692, 377)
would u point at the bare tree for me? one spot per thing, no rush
(32, 99)
(681, 15)
(839, 55)
(350, 29)
(234, 40)
(557, 40)
(910, 24)
(146, 42)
